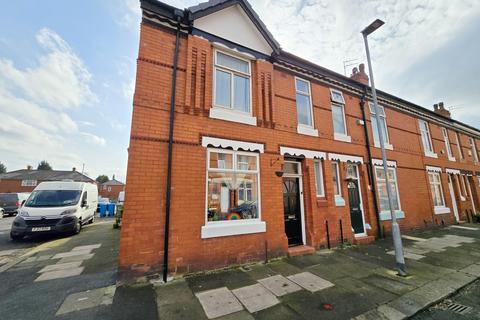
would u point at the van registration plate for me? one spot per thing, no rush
(41, 229)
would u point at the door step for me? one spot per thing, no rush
(300, 251)
(364, 240)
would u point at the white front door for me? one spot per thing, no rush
(452, 196)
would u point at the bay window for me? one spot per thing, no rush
(232, 186)
(382, 192)
(382, 125)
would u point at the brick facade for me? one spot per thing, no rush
(274, 106)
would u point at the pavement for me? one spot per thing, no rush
(356, 282)
(75, 277)
(53, 277)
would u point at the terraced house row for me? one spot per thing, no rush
(272, 154)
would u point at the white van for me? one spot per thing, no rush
(58, 207)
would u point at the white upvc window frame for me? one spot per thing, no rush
(448, 147)
(385, 214)
(339, 201)
(429, 151)
(29, 183)
(228, 113)
(442, 209)
(318, 171)
(459, 146)
(308, 130)
(340, 103)
(473, 148)
(213, 229)
(383, 118)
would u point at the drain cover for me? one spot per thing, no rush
(458, 308)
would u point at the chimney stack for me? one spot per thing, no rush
(440, 109)
(113, 177)
(29, 167)
(74, 169)
(358, 74)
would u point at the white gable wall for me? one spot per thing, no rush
(233, 24)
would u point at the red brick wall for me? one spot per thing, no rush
(7, 186)
(141, 247)
(112, 194)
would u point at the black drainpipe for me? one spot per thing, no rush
(170, 147)
(370, 168)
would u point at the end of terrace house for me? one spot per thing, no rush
(241, 151)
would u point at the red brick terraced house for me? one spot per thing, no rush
(111, 189)
(271, 154)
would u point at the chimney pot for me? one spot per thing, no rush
(358, 74)
(29, 167)
(440, 109)
(435, 107)
(74, 169)
(440, 104)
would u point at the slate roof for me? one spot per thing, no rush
(45, 175)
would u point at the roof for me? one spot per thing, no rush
(45, 175)
(113, 182)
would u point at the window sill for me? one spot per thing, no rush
(431, 155)
(385, 215)
(231, 115)
(387, 146)
(309, 131)
(441, 210)
(232, 228)
(322, 202)
(452, 159)
(342, 137)
(339, 201)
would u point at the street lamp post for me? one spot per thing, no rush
(397, 240)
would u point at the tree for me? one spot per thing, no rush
(3, 168)
(102, 178)
(44, 165)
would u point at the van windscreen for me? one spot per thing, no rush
(53, 198)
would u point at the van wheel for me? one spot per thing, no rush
(78, 227)
(16, 237)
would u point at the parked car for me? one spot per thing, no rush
(11, 202)
(56, 207)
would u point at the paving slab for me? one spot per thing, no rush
(278, 312)
(255, 297)
(71, 254)
(279, 285)
(175, 300)
(310, 281)
(388, 284)
(232, 279)
(76, 258)
(383, 312)
(473, 269)
(464, 228)
(218, 302)
(8, 252)
(408, 255)
(88, 247)
(58, 274)
(87, 299)
(61, 266)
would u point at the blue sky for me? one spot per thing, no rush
(67, 69)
